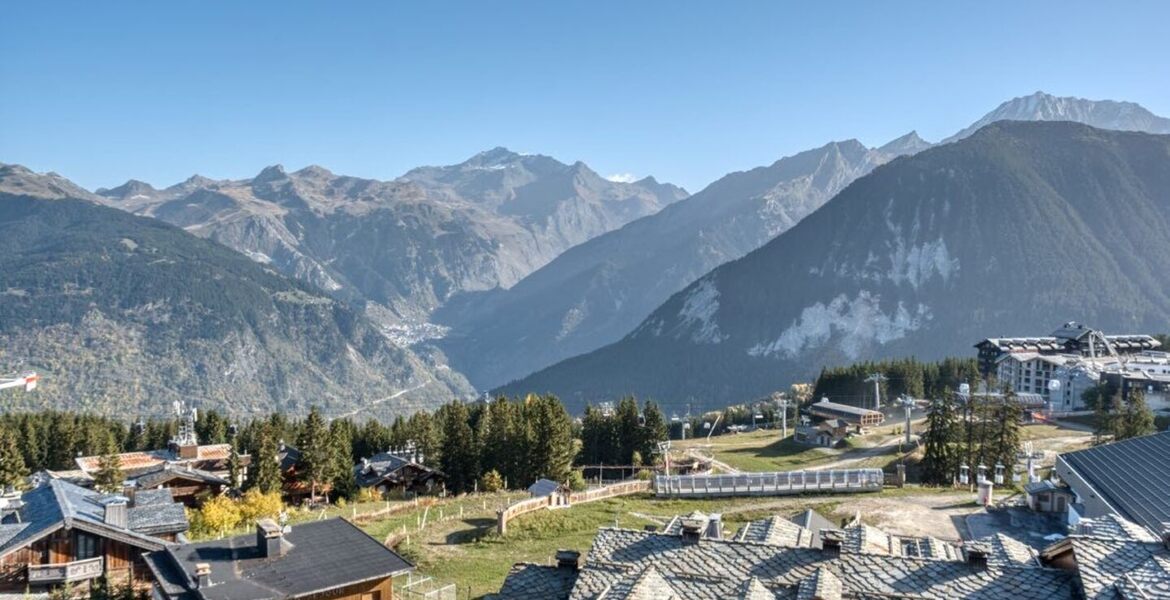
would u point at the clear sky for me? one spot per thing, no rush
(105, 91)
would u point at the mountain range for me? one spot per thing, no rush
(123, 315)
(493, 268)
(404, 246)
(599, 291)
(1005, 231)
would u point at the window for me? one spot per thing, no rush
(86, 546)
(374, 595)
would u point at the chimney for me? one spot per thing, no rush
(976, 556)
(569, 560)
(1166, 535)
(715, 527)
(692, 529)
(202, 575)
(831, 542)
(269, 538)
(116, 513)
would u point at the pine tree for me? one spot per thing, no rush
(13, 469)
(459, 460)
(341, 445)
(108, 478)
(551, 446)
(941, 438)
(1137, 418)
(234, 466)
(317, 461)
(266, 474)
(653, 428)
(426, 436)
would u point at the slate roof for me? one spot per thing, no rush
(1113, 569)
(543, 487)
(778, 531)
(319, 556)
(811, 519)
(58, 503)
(166, 472)
(1131, 476)
(1004, 551)
(724, 568)
(527, 581)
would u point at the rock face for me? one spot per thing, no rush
(598, 291)
(410, 244)
(123, 315)
(1015, 226)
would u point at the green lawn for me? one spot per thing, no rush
(468, 553)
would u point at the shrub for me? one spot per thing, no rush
(491, 482)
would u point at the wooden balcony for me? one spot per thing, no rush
(78, 570)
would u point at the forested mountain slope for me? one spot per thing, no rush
(1006, 232)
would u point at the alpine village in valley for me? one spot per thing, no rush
(787, 365)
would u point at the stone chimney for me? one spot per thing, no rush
(202, 575)
(569, 560)
(976, 555)
(269, 538)
(117, 512)
(693, 527)
(831, 542)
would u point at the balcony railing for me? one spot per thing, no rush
(78, 570)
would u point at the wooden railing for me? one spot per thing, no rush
(555, 500)
(768, 484)
(78, 570)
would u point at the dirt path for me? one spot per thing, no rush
(855, 456)
(707, 455)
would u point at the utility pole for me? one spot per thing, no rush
(782, 401)
(908, 403)
(876, 379)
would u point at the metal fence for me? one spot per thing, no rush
(426, 588)
(768, 484)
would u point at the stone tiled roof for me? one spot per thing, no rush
(728, 565)
(821, 585)
(527, 581)
(1004, 551)
(1115, 527)
(778, 531)
(1105, 567)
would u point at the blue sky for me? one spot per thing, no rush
(105, 91)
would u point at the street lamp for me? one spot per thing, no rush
(998, 474)
(964, 477)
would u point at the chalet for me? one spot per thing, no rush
(853, 415)
(60, 533)
(321, 560)
(191, 470)
(388, 472)
(830, 433)
(294, 489)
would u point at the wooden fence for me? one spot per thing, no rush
(557, 500)
(768, 484)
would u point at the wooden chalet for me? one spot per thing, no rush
(192, 471)
(62, 534)
(853, 415)
(389, 472)
(319, 560)
(294, 489)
